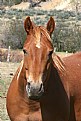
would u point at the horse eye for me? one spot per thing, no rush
(25, 51)
(50, 53)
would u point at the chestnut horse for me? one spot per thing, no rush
(45, 88)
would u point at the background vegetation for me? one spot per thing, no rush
(11, 2)
(67, 34)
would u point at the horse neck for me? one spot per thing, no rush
(54, 76)
(57, 79)
(56, 72)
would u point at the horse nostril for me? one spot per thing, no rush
(28, 85)
(41, 88)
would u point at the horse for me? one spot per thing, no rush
(45, 87)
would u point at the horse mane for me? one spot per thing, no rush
(43, 29)
(58, 63)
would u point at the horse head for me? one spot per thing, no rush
(38, 51)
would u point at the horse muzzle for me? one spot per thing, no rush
(34, 90)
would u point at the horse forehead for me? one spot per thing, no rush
(38, 37)
(38, 32)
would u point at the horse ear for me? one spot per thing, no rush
(28, 24)
(51, 25)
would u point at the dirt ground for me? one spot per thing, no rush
(49, 5)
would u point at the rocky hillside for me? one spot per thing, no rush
(67, 17)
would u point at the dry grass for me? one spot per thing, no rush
(7, 71)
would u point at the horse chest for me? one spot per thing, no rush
(55, 105)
